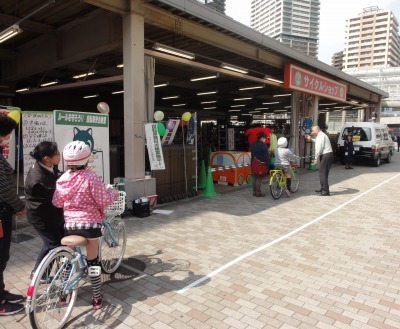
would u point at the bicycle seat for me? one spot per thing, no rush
(74, 240)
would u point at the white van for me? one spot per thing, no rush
(372, 141)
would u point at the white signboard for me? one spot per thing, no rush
(154, 148)
(9, 145)
(91, 128)
(36, 127)
(231, 139)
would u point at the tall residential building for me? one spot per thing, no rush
(337, 60)
(218, 5)
(372, 40)
(295, 23)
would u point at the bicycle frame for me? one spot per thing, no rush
(282, 181)
(107, 226)
(72, 282)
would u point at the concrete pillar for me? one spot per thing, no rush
(134, 91)
(344, 113)
(378, 110)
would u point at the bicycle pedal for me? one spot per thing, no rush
(94, 271)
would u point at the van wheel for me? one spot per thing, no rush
(389, 158)
(377, 162)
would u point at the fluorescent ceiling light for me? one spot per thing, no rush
(246, 114)
(78, 76)
(242, 99)
(282, 95)
(287, 107)
(207, 92)
(206, 77)
(171, 97)
(280, 110)
(117, 92)
(241, 105)
(233, 110)
(209, 108)
(21, 90)
(178, 104)
(173, 51)
(253, 87)
(208, 102)
(161, 85)
(91, 96)
(327, 104)
(120, 66)
(270, 103)
(273, 80)
(262, 108)
(12, 31)
(254, 111)
(234, 68)
(49, 83)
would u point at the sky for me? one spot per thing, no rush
(333, 17)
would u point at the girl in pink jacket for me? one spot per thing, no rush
(83, 196)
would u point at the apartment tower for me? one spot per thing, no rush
(372, 40)
(295, 23)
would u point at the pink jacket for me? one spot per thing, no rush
(83, 196)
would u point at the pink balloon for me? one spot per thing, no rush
(170, 125)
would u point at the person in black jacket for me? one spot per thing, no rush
(348, 150)
(40, 185)
(260, 151)
(10, 204)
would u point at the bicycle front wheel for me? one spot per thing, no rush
(112, 245)
(295, 182)
(275, 186)
(49, 306)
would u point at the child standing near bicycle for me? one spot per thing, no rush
(283, 158)
(83, 196)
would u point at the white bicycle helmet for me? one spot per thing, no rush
(76, 153)
(282, 142)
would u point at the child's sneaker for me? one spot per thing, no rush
(97, 302)
(287, 193)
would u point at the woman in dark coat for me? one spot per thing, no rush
(40, 185)
(260, 151)
(348, 149)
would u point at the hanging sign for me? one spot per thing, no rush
(154, 147)
(36, 127)
(297, 78)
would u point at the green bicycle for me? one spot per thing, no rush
(277, 182)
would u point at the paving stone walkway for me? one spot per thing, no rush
(237, 261)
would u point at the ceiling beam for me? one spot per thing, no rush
(210, 68)
(65, 46)
(170, 22)
(72, 85)
(116, 6)
(27, 25)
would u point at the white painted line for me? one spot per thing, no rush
(283, 237)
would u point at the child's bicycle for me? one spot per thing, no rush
(53, 291)
(277, 182)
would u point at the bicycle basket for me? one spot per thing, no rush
(118, 206)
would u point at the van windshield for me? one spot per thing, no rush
(361, 134)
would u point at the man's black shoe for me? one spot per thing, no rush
(9, 309)
(319, 191)
(12, 298)
(324, 193)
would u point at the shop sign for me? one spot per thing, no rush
(154, 147)
(299, 79)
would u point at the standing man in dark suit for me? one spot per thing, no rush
(323, 156)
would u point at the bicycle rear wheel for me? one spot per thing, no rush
(275, 187)
(112, 245)
(49, 306)
(295, 182)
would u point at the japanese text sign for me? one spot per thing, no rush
(299, 79)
